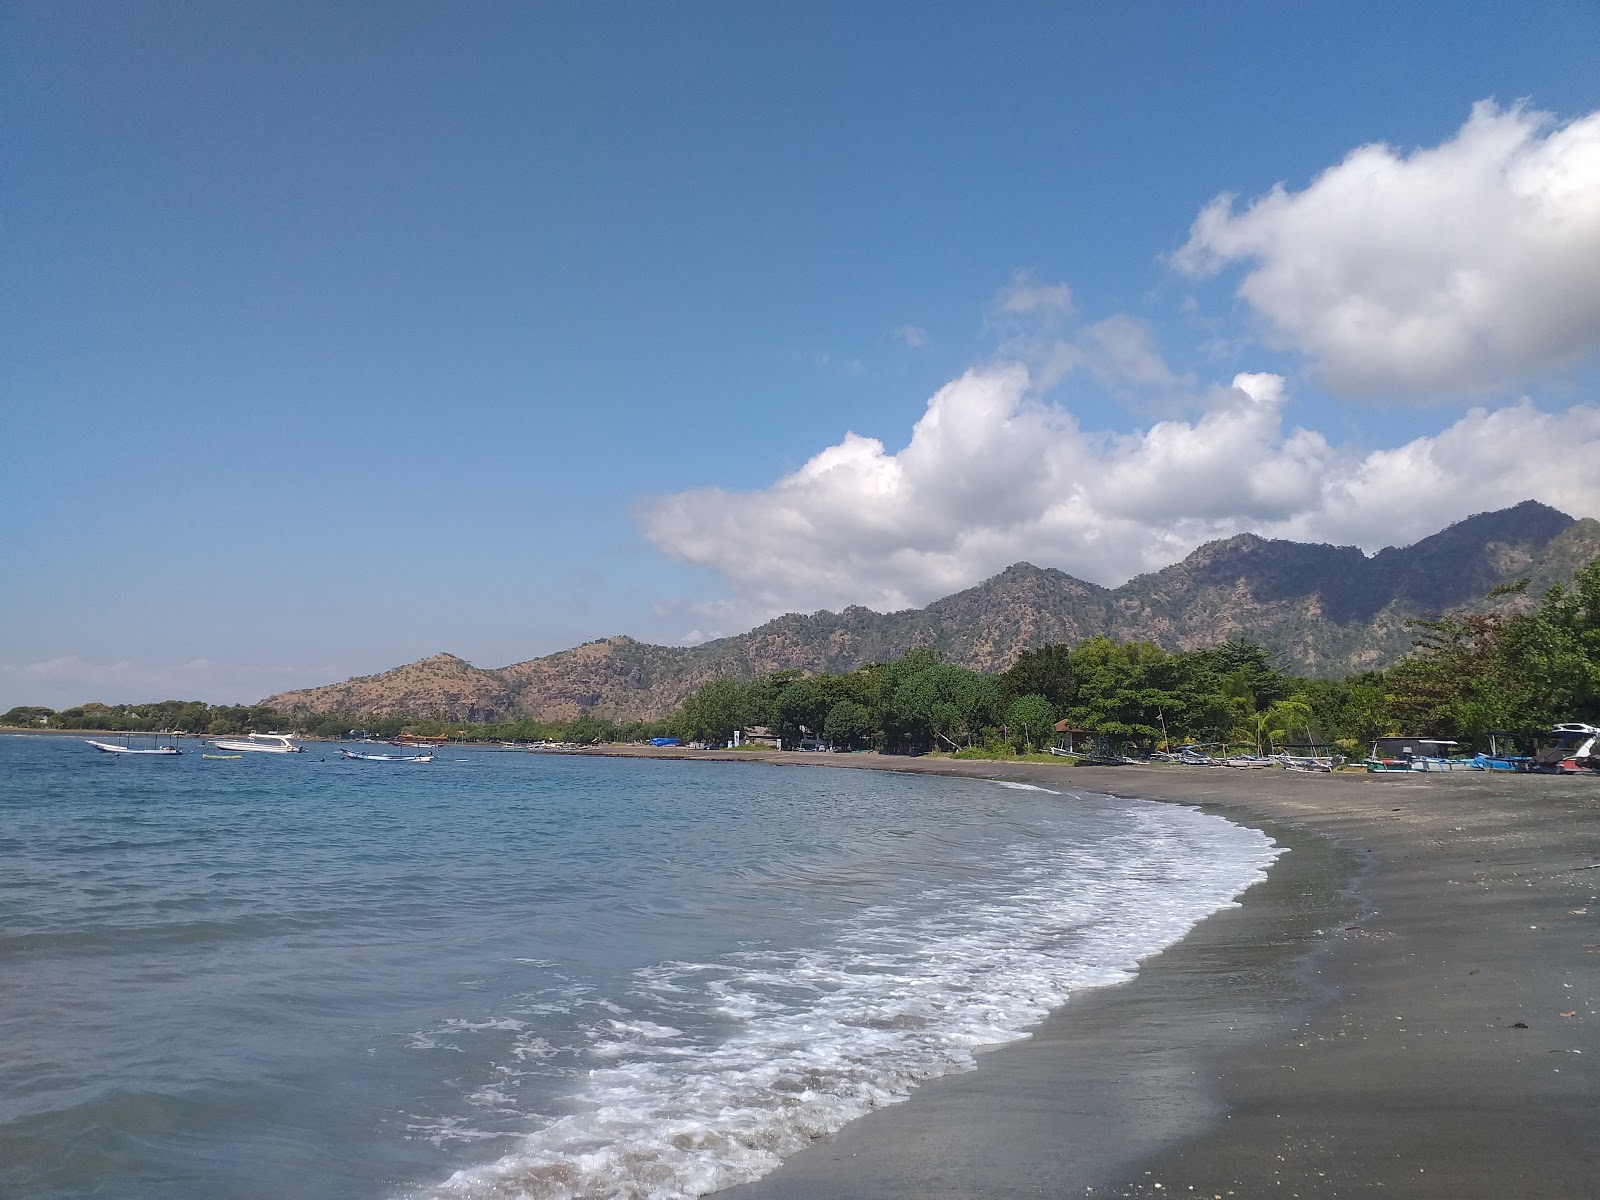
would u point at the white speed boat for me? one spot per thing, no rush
(260, 743)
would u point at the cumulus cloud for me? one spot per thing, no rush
(992, 475)
(1463, 266)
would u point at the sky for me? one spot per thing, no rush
(336, 335)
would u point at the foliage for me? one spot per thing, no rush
(1030, 721)
(1469, 673)
(847, 726)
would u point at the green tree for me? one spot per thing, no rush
(716, 710)
(1048, 671)
(1030, 721)
(798, 709)
(27, 714)
(846, 725)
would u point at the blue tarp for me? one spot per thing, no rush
(663, 741)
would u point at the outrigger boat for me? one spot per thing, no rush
(260, 743)
(127, 747)
(1414, 754)
(385, 757)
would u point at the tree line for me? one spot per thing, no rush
(1469, 674)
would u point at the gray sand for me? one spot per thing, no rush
(1407, 1006)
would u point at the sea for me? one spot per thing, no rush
(516, 974)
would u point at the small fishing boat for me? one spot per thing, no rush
(1503, 754)
(385, 757)
(1251, 761)
(260, 743)
(1414, 754)
(222, 756)
(1194, 755)
(127, 746)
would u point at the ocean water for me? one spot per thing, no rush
(508, 974)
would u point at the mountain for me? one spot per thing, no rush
(1325, 610)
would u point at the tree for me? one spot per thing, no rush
(1048, 671)
(846, 725)
(716, 710)
(27, 714)
(586, 729)
(798, 709)
(1030, 720)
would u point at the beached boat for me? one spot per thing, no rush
(1306, 762)
(1195, 755)
(385, 757)
(1503, 754)
(127, 747)
(1415, 754)
(260, 743)
(1249, 761)
(1573, 750)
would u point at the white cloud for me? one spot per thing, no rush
(912, 337)
(1025, 295)
(1464, 266)
(992, 475)
(1121, 350)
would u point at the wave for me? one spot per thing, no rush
(822, 1035)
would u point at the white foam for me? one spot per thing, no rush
(902, 993)
(1025, 787)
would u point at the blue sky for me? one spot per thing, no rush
(337, 335)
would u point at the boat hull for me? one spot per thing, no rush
(157, 751)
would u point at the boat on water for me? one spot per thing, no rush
(385, 757)
(222, 756)
(126, 746)
(408, 744)
(260, 743)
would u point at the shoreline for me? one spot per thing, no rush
(1408, 1004)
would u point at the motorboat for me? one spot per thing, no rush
(260, 743)
(1573, 750)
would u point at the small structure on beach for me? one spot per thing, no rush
(1070, 739)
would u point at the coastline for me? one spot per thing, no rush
(1408, 1004)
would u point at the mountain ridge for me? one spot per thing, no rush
(1325, 610)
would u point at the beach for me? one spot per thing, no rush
(1407, 1006)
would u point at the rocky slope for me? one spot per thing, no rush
(1326, 610)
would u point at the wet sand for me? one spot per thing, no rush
(1407, 1006)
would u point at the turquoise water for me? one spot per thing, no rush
(508, 974)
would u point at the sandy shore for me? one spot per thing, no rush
(1407, 1006)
